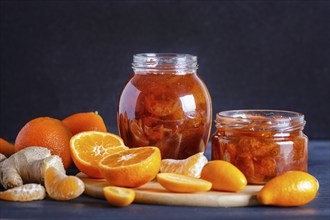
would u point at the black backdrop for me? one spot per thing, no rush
(63, 57)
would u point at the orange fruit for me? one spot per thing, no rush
(24, 193)
(86, 121)
(293, 188)
(6, 148)
(192, 166)
(89, 147)
(62, 187)
(224, 176)
(131, 168)
(119, 196)
(182, 184)
(49, 133)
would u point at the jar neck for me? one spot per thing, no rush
(164, 63)
(261, 120)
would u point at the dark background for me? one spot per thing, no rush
(64, 57)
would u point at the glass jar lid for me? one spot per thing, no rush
(164, 62)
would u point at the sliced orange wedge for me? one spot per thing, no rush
(119, 196)
(88, 148)
(131, 168)
(192, 166)
(182, 184)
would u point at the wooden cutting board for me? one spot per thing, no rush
(154, 193)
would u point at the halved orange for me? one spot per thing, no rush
(182, 184)
(62, 187)
(131, 168)
(119, 196)
(24, 193)
(88, 148)
(192, 166)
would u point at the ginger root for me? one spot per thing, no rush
(31, 165)
(27, 166)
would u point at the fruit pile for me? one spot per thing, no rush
(45, 147)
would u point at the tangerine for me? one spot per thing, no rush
(49, 133)
(6, 148)
(85, 121)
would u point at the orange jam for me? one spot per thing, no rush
(261, 143)
(165, 104)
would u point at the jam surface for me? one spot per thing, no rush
(262, 153)
(172, 112)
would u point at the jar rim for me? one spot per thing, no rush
(164, 62)
(260, 119)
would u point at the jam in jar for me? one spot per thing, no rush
(261, 143)
(165, 104)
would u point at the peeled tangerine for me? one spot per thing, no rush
(293, 188)
(24, 193)
(224, 176)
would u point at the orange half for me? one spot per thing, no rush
(131, 168)
(88, 148)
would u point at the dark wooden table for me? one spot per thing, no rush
(91, 208)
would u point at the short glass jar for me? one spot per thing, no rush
(261, 143)
(165, 104)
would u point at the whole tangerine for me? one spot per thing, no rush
(85, 121)
(46, 132)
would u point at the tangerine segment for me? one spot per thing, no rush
(119, 196)
(224, 176)
(6, 148)
(131, 168)
(182, 184)
(88, 148)
(62, 187)
(24, 193)
(293, 188)
(85, 121)
(192, 166)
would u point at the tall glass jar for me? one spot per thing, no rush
(165, 104)
(261, 143)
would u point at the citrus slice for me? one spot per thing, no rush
(183, 184)
(88, 148)
(293, 188)
(131, 168)
(62, 187)
(119, 196)
(224, 176)
(24, 193)
(192, 166)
